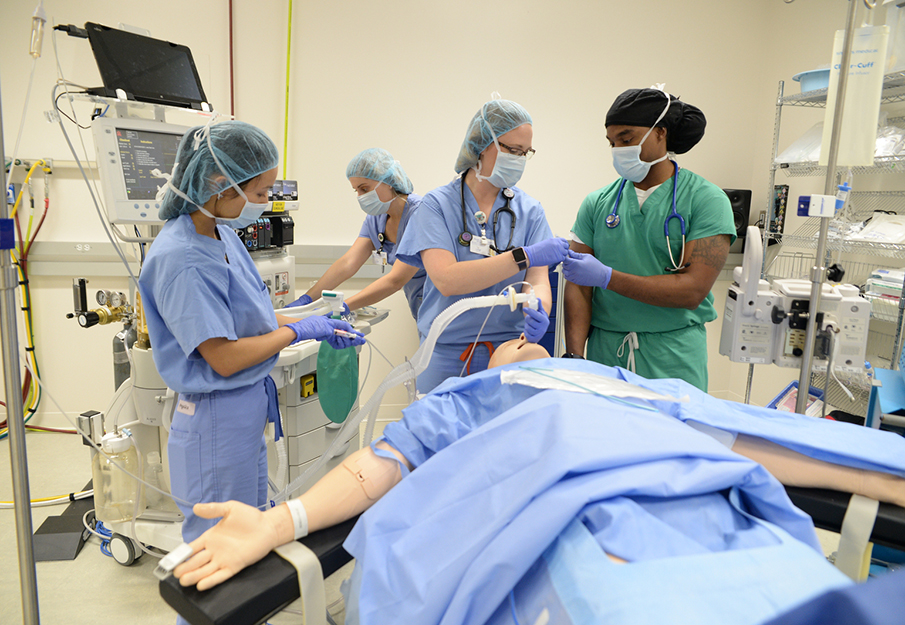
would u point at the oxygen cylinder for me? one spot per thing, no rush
(121, 369)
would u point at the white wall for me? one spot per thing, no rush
(407, 75)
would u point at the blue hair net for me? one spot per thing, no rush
(244, 151)
(500, 116)
(378, 164)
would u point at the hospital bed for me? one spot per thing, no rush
(268, 586)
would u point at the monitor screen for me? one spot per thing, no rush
(141, 151)
(127, 150)
(150, 70)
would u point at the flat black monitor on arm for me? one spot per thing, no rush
(135, 67)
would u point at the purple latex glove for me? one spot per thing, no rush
(317, 328)
(548, 252)
(536, 322)
(338, 341)
(586, 270)
(302, 301)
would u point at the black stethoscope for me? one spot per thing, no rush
(465, 237)
(612, 220)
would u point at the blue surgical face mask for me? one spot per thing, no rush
(627, 160)
(507, 170)
(628, 164)
(373, 205)
(251, 212)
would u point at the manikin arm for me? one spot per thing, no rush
(795, 469)
(245, 534)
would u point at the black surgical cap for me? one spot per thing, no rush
(684, 123)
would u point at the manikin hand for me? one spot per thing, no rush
(243, 536)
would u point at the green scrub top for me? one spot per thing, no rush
(638, 246)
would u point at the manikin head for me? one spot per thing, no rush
(517, 350)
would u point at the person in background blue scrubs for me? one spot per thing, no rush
(477, 235)
(385, 194)
(213, 330)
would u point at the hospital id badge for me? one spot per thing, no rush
(379, 258)
(480, 245)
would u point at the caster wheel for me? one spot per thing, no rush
(123, 550)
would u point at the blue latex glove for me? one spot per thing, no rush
(536, 322)
(321, 329)
(549, 252)
(302, 301)
(586, 270)
(338, 341)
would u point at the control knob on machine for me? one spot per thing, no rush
(777, 315)
(88, 319)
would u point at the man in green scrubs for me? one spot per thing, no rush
(635, 301)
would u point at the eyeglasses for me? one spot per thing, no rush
(517, 152)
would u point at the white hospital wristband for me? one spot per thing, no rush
(299, 518)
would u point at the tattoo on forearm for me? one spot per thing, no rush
(711, 252)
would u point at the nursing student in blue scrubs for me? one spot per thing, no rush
(477, 235)
(386, 195)
(213, 330)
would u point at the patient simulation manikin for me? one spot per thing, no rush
(371, 472)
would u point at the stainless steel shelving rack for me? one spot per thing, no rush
(858, 258)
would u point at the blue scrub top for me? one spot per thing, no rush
(437, 224)
(196, 288)
(375, 225)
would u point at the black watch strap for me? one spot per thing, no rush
(572, 355)
(520, 257)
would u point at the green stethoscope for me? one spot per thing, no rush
(612, 220)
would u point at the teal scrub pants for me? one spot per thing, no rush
(679, 353)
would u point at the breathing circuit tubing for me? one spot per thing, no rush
(401, 374)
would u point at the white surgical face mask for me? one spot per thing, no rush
(627, 160)
(373, 205)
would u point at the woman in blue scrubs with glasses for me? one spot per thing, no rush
(647, 249)
(477, 235)
(387, 196)
(212, 326)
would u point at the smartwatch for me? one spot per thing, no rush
(521, 259)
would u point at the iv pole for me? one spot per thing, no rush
(818, 271)
(9, 343)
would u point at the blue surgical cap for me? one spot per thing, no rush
(500, 116)
(244, 151)
(378, 164)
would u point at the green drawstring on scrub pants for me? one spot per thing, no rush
(337, 380)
